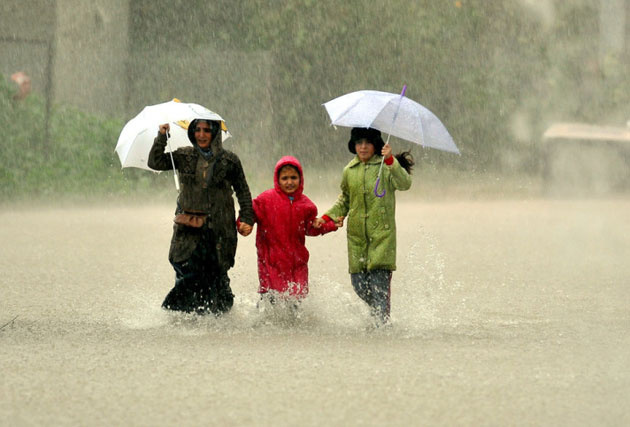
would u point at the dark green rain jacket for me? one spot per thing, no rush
(206, 186)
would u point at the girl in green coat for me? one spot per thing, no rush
(371, 219)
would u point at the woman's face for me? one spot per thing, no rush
(203, 136)
(289, 179)
(364, 149)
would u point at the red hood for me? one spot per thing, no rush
(288, 160)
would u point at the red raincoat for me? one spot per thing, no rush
(282, 226)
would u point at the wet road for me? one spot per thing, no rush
(504, 313)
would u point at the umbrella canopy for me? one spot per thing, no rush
(136, 138)
(391, 113)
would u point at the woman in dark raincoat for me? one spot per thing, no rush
(204, 235)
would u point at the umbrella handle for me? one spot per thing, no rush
(378, 179)
(376, 193)
(176, 180)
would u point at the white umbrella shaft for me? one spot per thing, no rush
(168, 136)
(380, 169)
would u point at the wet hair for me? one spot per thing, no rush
(406, 160)
(373, 136)
(290, 166)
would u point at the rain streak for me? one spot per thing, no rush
(314, 212)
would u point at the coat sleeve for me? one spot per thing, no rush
(158, 159)
(258, 207)
(399, 177)
(327, 227)
(244, 197)
(342, 205)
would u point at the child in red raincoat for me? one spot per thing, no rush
(285, 216)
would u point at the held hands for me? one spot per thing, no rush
(244, 229)
(164, 128)
(318, 222)
(386, 152)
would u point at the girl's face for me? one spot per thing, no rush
(364, 149)
(203, 135)
(289, 179)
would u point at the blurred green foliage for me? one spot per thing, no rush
(496, 73)
(77, 158)
(486, 69)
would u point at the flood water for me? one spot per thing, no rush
(504, 313)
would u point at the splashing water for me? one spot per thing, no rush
(509, 301)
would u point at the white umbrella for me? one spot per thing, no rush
(394, 114)
(136, 139)
(391, 113)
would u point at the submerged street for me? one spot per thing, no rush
(504, 312)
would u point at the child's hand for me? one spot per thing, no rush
(318, 222)
(164, 128)
(339, 221)
(244, 229)
(386, 152)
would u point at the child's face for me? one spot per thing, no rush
(364, 149)
(289, 179)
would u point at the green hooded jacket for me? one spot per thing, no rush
(371, 225)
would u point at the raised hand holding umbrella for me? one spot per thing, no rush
(136, 138)
(165, 130)
(394, 114)
(380, 170)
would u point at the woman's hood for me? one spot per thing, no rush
(217, 139)
(288, 160)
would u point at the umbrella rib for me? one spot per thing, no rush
(407, 119)
(391, 127)
(348, 110)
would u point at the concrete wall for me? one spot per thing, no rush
(91, 50)
(75, 51)
(613, 32)
(234, 84)
(26, 30)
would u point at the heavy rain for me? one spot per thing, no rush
(509, 301)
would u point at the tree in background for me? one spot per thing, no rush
(496, 73)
